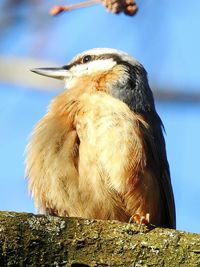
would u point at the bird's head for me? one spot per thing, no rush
(112, 71)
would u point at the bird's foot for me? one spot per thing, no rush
(140, 220)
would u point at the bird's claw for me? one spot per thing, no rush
(140, 220)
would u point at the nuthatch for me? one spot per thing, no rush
(99, 152)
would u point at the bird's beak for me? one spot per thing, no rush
(57, 73)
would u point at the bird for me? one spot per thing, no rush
(99, 152)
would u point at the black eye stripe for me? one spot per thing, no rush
(107, 56)
(88, 58)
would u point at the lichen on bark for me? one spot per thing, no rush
(39, 240)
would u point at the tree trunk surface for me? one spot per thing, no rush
(38, 240)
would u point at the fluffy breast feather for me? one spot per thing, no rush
(89, 160)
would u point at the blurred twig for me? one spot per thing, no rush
(23, 77)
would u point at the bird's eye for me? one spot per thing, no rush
(86, 59)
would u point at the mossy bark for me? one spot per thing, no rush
(38, 240)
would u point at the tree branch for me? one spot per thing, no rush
(38, 240)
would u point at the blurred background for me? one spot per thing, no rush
(164, 36)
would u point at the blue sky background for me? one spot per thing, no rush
(164, 36)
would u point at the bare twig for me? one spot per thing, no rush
(58, 9)
(128, 7)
